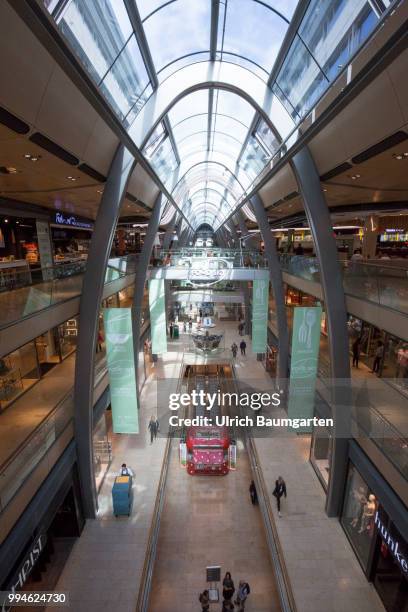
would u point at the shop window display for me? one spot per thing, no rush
(18, 372)
(360, 506)
(321, 447)
(68, 336)
(102, 449)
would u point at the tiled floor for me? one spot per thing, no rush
(104, 569)
(323, 569)
(209, 520)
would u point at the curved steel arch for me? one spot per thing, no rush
(210, 75)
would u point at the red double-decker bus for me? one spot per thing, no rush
(207, 450)
(207, 445)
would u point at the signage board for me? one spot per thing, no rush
(304, 362)
(121, 368)
(260, 297)
(157, 304)
(27, 564)
(71, 221)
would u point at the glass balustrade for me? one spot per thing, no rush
(213, 258)
(383, 283)
(44, 287)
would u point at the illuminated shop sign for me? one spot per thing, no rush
(397, 548)
(71, 221)
(27, 565)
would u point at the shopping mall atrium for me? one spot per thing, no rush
(204, 305)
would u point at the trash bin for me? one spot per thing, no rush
(176, 332)
(122, 495)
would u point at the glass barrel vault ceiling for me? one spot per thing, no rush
(212, 144)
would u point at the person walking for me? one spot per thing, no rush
(356, 351)
(234, 349)
(379, 353)
(279, 491)
(242, 594)
(242, 346)
(190, 324)
(204, 599)
(171, 328)
(228, 588)
(156, 427)
(152, 428)
(253, 493)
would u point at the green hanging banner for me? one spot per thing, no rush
(304, 362)
(260, 297)
(157, 305)
(121, 368)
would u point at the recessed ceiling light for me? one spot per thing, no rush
(400, 156)
(5, 220)
(11, 170)
(71, 178)
(324, 189)
(32, 158)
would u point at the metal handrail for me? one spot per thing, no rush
(283, 581)
(150, 557)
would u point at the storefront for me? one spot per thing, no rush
(321, 443)
(25, 366)
(71, 238)
(47, 544)
(25, 249)
(375, 522)
(393, 364)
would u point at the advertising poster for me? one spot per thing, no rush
(232, 456)
(183, 454)
(45, 249)
(158, 316)
(121, 368)
(304, 361)
(260, 296)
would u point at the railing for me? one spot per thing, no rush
(150, 557)
(62, 282)
(26, 457)
(383, 282)
(286, 597)
(214, 258)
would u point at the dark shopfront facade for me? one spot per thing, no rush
(376, 523)
(36, 550)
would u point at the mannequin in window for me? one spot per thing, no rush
(368, 513)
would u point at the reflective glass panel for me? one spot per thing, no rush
(300, 78)
(178, 29)
(193, 104)
(191, 125)
(148, 6)
(334, 29)
(247, 23)
(231, 126)
(96, 31)
(124, 84)
(227, 103)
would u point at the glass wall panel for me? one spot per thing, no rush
(180, 28)
(247, 22)
(124, 85)
(334, 29)
(68, 336)
(102, 453)
(97, 32)
(18, 372)
(359, 508)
